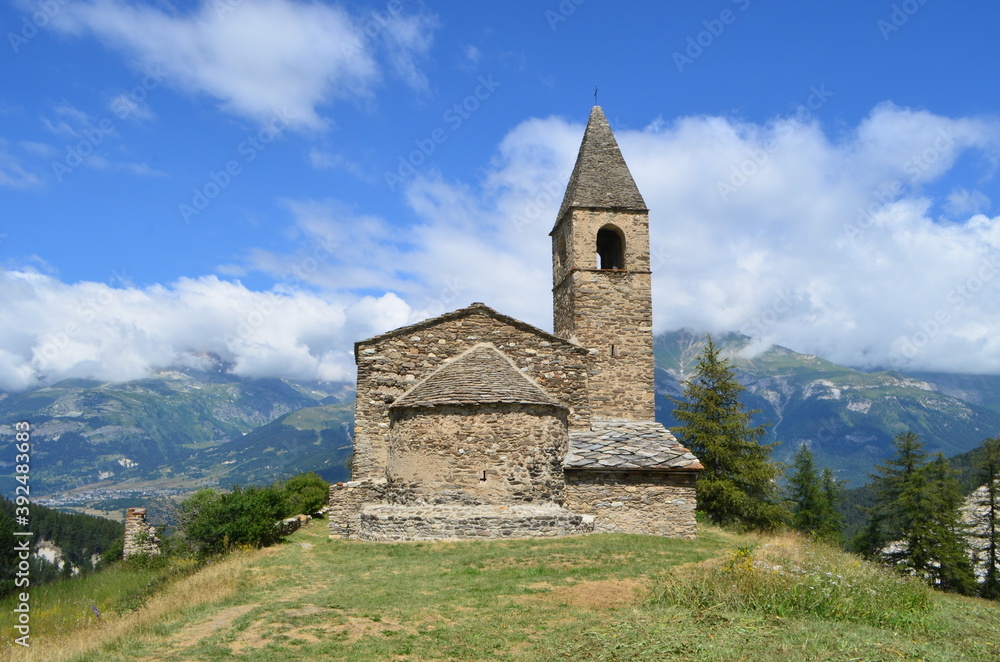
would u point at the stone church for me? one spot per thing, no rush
(474, 424)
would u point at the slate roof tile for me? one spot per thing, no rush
(628, 445)
(600, 177)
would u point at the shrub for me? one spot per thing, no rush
(215, 522)
(305, 494)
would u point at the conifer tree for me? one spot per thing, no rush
(813, 498)
(737, 486)
(805, 492)
(832, 522)
(918, 507)
(950, 568)
(989, 468)
(890, 482)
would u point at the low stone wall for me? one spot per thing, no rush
(292, 524)
(346, 501)
(660, 503)
(392, 523)
(140, 537)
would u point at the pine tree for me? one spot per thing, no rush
(805, 492)
(737, 486)
(8, 557)
(918, 506)
(950, 568)
(832, 522)
(890, 482)
(989, 468)
(813, 498)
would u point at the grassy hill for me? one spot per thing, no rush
(600, 597)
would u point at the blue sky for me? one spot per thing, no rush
(271, 180)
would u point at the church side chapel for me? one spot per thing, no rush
(474, 424)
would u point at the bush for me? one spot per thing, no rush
(215, 522)
(305, 494)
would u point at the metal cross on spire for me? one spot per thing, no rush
(595, 95)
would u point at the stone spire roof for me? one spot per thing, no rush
(600, 177)
(617, 444)
(480, 375)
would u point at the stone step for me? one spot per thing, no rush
(396, 522)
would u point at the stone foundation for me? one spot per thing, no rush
(346, 501)
(656, 503)
(397, 523)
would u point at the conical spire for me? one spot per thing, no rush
(600, 177)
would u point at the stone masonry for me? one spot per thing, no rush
(651, 502)
(140, 537)
(499, 454)
(606, 309)
(474, 424)
(393, 523)
(391, 364)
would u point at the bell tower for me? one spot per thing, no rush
(601, 292)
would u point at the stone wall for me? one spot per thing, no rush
(574, 240)
(393, 522)
(346, 501)
(610, 312)
(140, 537)
(658, 503)
(391, 364)
(485, 454)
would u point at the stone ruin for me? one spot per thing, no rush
(140, 537)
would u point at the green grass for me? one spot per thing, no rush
(79, 603)
(601, 597)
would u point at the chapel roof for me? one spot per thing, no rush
(478, 376)
(601, 179)
(620, 444)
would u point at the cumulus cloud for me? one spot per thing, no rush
(260, 56)
(118, 332)
(828, 245)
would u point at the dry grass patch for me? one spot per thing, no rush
(601, 594)
(214, 583)
(193, 634)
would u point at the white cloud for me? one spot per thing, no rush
(258, 56)
(127, 105)
(963, 201)
(13, 173)
(823, 245)
(327, 160)
(826, 246)
(53, 330)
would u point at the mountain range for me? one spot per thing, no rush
(183, 429)
(847, 417)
